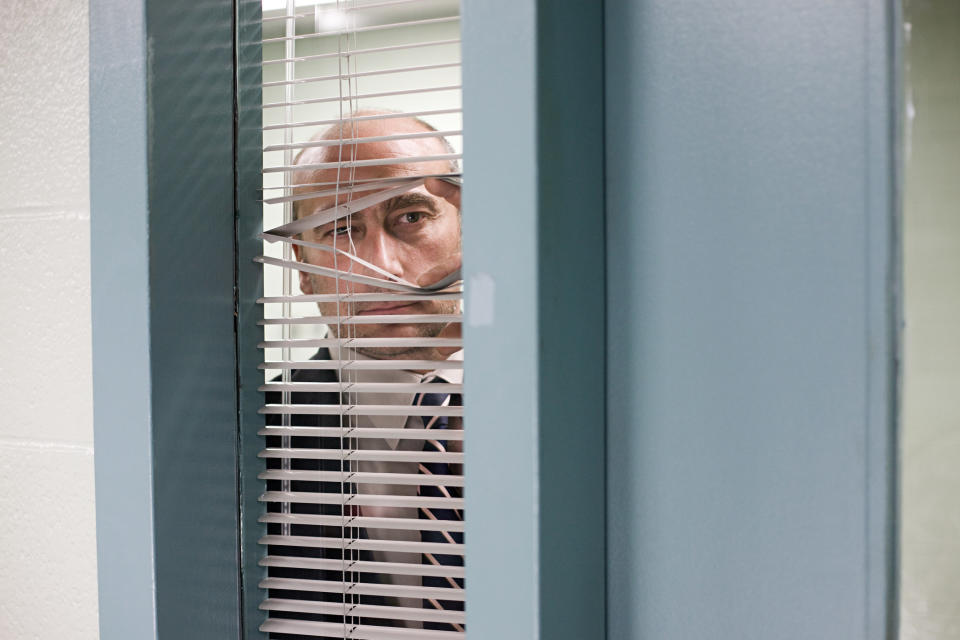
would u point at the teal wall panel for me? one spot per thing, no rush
(249, 163)
(120, 305)
(533, 265)
(751, 318)
(193, 359)
(165, 402)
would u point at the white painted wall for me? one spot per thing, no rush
(48, 572)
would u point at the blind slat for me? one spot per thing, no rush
(368, 319)
(360, 588)
(360, 74)
(363, 342)
(365, 320)
(368, 522)
(356, 52)
(361, 477)
(366, 96)
(382, 116)
(363, 387)
(363, 566)
(354, 164)
(351, 141)
(444, 548)
(364, 297)
(364, 610)
(342, 275)
(354, 632)
(352, 180)
(362, 456)
(360, 409)
(377, 27)
(366, 365)
(362, 499)
(321, 218)
(362, 433)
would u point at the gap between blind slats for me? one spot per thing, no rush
(356, 181)
(363, 387)
(446, 283)
(359, 74)
(363, 433)
(376, 27)
(341, 190)
(337, 273)
(354, 632)
(361, 477)
(288, 232)
(367, 522)
(292, 228)
(365, 365)
(336, 142)
(382, 116)
(377, 5)
(362, 455)
(363, 342)
(358, 544)
(348, 9)
(354, 164)
(363, 566)
(360, 410)
(364, 611)
(365, 96)
(360, 588)
(366, 319)
(361, 499)
(362, 297)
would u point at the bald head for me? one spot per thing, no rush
(414, 235)
(374, 124)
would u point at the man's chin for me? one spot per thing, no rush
(411, 331)
(399, 353)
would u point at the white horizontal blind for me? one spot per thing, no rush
(363, 495)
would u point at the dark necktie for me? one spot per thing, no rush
(440, 424)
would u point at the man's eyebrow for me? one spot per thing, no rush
(412, 199)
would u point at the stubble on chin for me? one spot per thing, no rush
(417, 330)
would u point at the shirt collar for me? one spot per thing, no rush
(454, 376)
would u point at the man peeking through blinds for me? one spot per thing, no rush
(375, 514)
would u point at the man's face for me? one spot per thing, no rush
(415, 236)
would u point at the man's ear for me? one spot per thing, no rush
(306, 286)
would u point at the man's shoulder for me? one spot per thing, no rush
(307, 375)
(312, 374)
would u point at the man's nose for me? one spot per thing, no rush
(380, 249)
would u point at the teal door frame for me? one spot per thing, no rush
(533, 242)
(162, 272)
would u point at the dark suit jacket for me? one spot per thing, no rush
(304, 442)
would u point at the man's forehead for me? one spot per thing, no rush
(415, 197)
(354, 147)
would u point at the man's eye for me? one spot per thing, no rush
(411, 217)
(339, 231)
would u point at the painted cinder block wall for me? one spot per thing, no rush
(48, 570)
